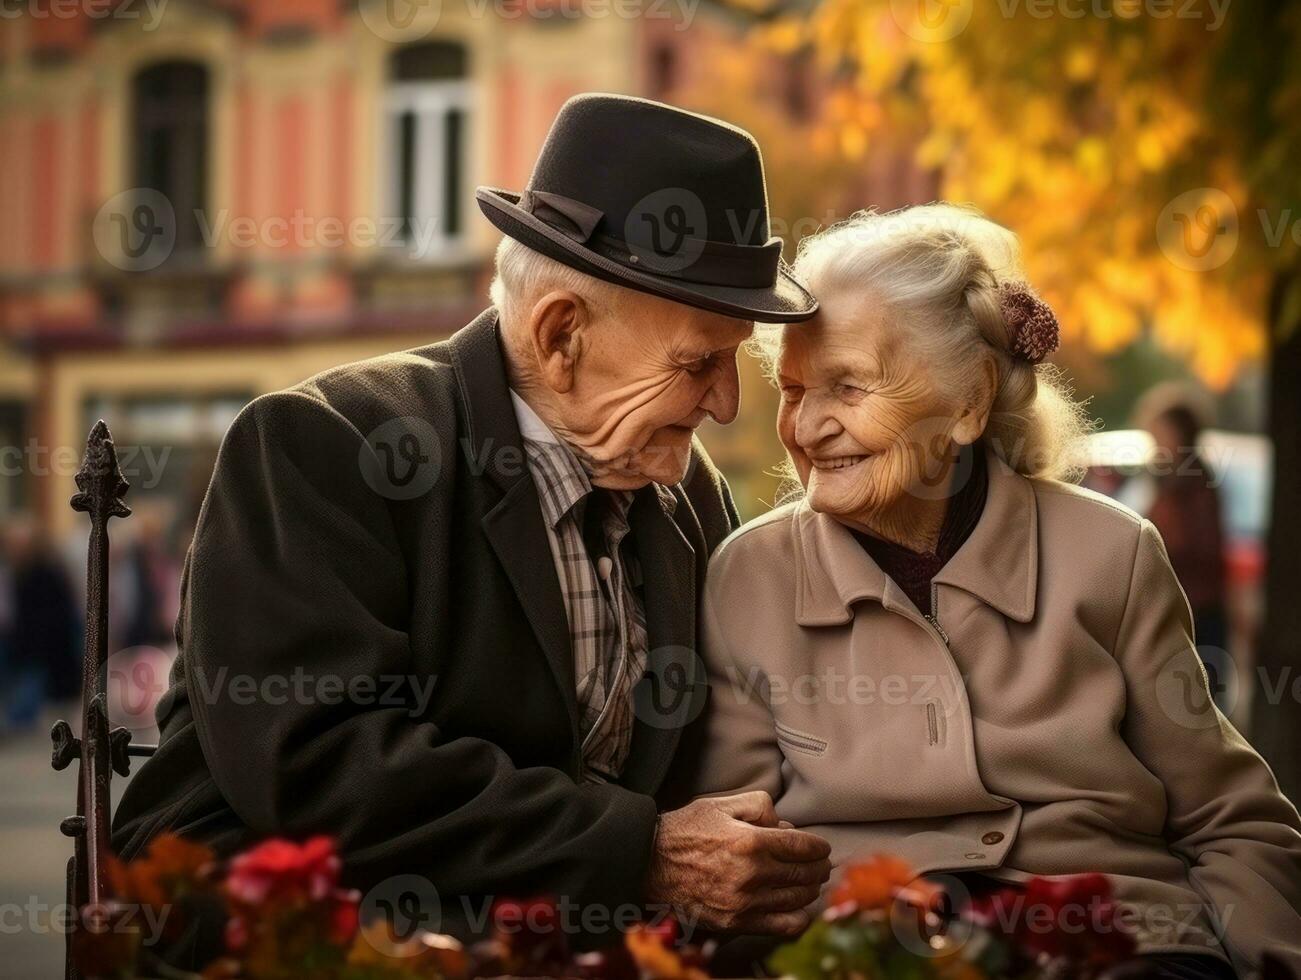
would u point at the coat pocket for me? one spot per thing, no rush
(797, 741)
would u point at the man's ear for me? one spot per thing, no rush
(975, 415)
(558, 325)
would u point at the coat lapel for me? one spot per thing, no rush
(672, 692)
(514, 526)
(997, 564)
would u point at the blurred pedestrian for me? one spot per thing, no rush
(43, 624)
(1186, 510)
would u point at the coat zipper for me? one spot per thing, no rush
(932, 619)
(932, 714)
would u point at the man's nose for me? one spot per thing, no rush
(723, 399)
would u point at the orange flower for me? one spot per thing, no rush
(880, 881)
(169, 867)
(656, 959)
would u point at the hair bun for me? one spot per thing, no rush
(1031, 324)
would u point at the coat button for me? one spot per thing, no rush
(993, 837)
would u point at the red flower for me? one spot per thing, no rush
(236, 934)
(282, 869)
(1072, 917)
(344, 917)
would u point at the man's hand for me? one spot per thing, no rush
(728, 861)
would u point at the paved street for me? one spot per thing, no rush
(33, 799)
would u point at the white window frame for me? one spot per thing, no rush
(430, 101)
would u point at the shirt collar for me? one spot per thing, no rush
(531, 426)
(560, 478)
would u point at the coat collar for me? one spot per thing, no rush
(997, 564)
(514, 527)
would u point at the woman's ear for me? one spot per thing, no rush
(975, 414)
(558, 325)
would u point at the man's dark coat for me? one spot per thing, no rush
(302, 577)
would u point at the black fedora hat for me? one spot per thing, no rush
(656, 199)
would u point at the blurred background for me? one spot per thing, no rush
(204, 200)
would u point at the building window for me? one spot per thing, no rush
(169, 120)
(427, 112)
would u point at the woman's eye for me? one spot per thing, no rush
(696, 367)
(792, 392)
(850, 392)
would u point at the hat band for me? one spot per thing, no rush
(694, 260)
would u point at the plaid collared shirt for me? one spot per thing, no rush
(607, 623)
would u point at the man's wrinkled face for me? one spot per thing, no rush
(862, 418)
(648, 374)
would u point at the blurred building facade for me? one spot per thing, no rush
(204, 201)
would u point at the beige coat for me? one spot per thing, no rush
(1053, 719)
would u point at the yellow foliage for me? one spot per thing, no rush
(1080, 133)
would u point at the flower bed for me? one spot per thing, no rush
(287, 917)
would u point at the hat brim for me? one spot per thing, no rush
(786, 301)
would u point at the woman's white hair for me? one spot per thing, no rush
(937, 267)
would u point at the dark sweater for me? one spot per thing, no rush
(912, 571)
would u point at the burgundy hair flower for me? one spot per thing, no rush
(1031, 323)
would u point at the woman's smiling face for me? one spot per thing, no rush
(861, 416)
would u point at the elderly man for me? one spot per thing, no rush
(441, 604)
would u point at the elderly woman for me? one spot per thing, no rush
(942, 652)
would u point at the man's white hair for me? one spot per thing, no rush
(523, 276)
